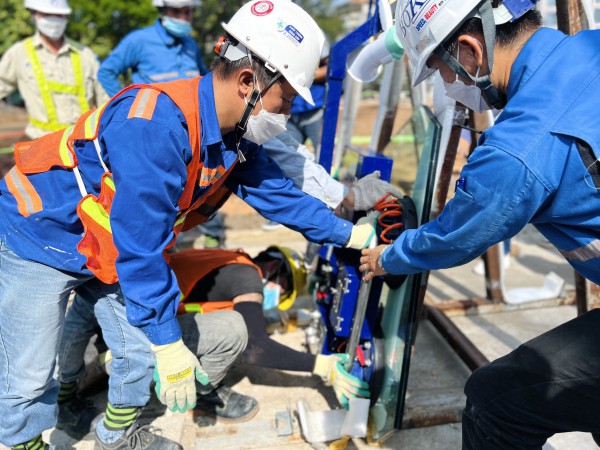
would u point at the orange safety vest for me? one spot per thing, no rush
(57, 150)
(190, 266)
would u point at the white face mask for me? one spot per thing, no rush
(265, 125)
(468, 95)
(52, 27)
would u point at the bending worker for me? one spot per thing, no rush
(94, 207)
(222, 279)
(56, 76)
(537, 164)
(164, 51)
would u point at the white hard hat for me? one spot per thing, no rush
(423, 26)
(49, 6)
(284, 36)
(175, 3)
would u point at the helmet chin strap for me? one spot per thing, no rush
(241, 126)
(490, 93)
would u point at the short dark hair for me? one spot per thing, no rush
(506, 34)
(225, 69)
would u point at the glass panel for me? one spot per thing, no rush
(398, 322)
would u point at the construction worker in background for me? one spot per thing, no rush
(306, 119)
(94, 207)
(162, 52)
(537, 164)
(56, 76)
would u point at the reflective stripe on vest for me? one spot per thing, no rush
(57, 150)
(144, 104)
(585, 253)
(47, 87)
(28, 200)
(94, 213)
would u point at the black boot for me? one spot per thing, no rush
(76, 416)
(227, 405)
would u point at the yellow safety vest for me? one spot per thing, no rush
(47, 87)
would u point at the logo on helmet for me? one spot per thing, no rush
(262, 8)
(411, 12)
(290, 31)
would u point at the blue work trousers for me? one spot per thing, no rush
(548, 385)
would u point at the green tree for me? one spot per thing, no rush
(16, 24)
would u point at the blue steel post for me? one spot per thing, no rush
(336, 71)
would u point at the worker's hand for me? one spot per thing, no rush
(331, 369)
(363, 231)
(368, 190)
(175, 373)
(370, 262)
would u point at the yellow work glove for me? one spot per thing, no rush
(175, 373)
(331, 369)
(363, 231)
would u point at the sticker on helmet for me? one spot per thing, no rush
(262, 8)
(412, 14)
(290, 31)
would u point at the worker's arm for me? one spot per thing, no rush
(8, 71)
(260, 183)
(122, 58)
(298, 163)
(99, 94)
(200, 59)
(148, 161)
(487, 209)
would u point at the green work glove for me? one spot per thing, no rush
(331, 369)
(363, 231)
(175, 373)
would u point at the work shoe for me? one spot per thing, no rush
(138, 438)
(76, 416)
(227, 405)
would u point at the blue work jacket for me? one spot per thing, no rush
(154, 56)
(526, 168)
(299, 105)
(148, 158)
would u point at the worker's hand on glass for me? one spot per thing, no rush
(175, 373)
(370, 262)
(346, 386)
(363, 231)
(368, 190)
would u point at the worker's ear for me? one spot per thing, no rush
(245, 82)
(471, 53)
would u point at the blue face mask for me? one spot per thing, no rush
(177, 27)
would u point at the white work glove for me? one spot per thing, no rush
(363, 231)
(175, 373)
(368, 190)
(331, 369)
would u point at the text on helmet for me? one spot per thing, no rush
(418, 12)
